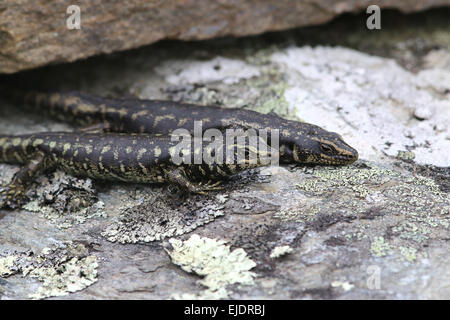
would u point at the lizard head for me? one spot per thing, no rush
(314, 145)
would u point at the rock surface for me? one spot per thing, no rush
(377, 229)
(35, 33)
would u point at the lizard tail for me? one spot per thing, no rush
(13, 149)
(68, 106)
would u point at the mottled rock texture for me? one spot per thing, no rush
(377, 229)
(34, 33)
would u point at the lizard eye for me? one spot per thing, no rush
(326, 148)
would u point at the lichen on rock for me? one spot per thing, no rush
(62, 269)
(280, 251)
(157, 219)
(379, 247)
(213, 260)
(65, 200)
(6, 263)
(372, 101)
(414, 206)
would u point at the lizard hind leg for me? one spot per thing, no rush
(12, 195)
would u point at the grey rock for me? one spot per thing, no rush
(377, 229)
(34, 33)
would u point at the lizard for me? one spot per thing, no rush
(299, 142)
(138, 158)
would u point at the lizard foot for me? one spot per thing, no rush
(204, 188)
(12, 196)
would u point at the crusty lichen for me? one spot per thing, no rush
(365, 190)
(271, 97)
(65, 200)
(157, 219)
(213, 260)
(62, 269)
(409, 254)
(406, 155)
(71, 276)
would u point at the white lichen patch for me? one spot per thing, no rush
(218, 69)
(70, 276)
(280, 251)
(65, 200)
(376, 105)
(6, 265)
(156, 220)
(62, 269)
(207, 294)
(345, 285)
(214, 261)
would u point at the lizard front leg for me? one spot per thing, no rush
(12, 194)
(178, 177)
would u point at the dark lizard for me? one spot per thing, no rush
(140, 158)
(299, 142)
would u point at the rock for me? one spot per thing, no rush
(35, 33)
(377, 229)
(341, 83)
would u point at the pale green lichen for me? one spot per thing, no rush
(271, 94)
(6, 265)
(280, 251)
(412, 231)
(359, 180)
(274, 100)
(214, 261)
(262, 91)
(406, 155)
(366, 190)
(260, 57)
(379, 247)
(300, 212)
(409, 254)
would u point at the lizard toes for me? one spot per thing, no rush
(12, 197)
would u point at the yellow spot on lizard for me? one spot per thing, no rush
(106, 149)
(157, 151)
(37, 142)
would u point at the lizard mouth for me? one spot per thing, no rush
(339, 159)
(322, 158)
